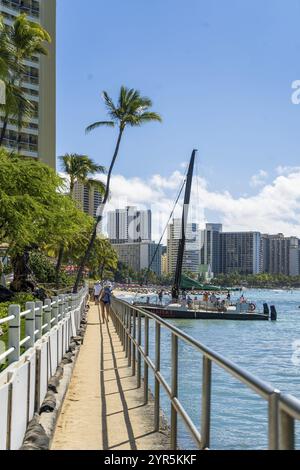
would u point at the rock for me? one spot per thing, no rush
(59, 373)
(77, 340)
(53, 384)
(49, 403)
(35, 437)
(5, 294)
(41, 294)
(72, 347)
(67, 359)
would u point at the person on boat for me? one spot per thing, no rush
(242, 299)
(205, 297)
(213, 299)
(189, 301)
(229, 296)
(160, 296)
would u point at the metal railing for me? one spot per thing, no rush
(283, 410)
(39, 319)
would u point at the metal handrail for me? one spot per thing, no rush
(283, 409)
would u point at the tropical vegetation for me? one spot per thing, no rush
(36, 217)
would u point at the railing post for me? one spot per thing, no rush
(133, 344)
(14, 333)
(287, 434)
(129, 339)
(157, 384)
(206, 403)
(47, 315)
(174, 390)
(61, 307)
(139, 357)
(30, 324)
(146, 367)
(122, 326)
(55, 311)
(274, 420)
(39, 320)
(125, 330)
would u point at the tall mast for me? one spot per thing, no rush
(181, 245)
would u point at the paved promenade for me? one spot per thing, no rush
(103, 409)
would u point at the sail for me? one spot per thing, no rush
(190, 284)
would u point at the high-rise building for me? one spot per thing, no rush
(139, 256)
(211, 246)
(280, 255)
(240, 252)
(129, 225)
(191, 259)
(37, 137)
(88, 198)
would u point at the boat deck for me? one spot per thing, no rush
(177, 313)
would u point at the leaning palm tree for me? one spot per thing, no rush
(132, 110)
(79, 168)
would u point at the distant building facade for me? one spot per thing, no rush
(240, 252)
(191, 260)
(280, 255)
(88, 198)
(249, 252)
(211, 247)
(129, 225)
(139, 256)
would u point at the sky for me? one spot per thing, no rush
(220, 74)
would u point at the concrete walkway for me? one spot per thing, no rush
(103, 409)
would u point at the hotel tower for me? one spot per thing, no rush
(37, 138)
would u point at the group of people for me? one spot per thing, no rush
(102, 297)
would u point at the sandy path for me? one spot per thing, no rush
(103, 409)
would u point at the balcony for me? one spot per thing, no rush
(31, 8)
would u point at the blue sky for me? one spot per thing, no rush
(219, 72)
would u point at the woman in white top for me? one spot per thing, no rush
(97, 291)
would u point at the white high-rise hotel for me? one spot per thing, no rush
(129, 225)
(37, 137)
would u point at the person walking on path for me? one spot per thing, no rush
(97, 292)
(105, 299)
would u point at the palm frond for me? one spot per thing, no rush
(98, 124)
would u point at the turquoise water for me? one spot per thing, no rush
(239, 417)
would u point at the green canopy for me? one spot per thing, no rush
(190, 284)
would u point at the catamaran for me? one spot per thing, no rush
(212, 308)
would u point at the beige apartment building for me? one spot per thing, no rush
(37, 138)
(88, 198)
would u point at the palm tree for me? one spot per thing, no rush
(24, 39)
(132, 110)
(79, 168)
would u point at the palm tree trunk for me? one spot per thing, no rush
(100, 217)
(59, 263)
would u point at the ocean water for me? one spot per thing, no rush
(267, 349)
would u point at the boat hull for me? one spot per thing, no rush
(169, 313)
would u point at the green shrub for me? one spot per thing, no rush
(42, 268)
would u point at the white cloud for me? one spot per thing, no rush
(259, 179)
(274, 208)
(286, 170)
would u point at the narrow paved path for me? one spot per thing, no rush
(103, 409)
